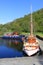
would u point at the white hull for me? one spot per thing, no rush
(31, 48)
(31, 52)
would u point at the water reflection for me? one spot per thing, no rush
(9, 49)
(16, 43)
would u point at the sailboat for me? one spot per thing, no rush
(31, 46)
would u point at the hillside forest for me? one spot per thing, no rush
(23, 24)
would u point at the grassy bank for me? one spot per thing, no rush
(38, 33)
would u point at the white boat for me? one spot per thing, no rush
(31, 46)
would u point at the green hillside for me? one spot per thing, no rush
(23, 24)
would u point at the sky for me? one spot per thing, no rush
(13, 9)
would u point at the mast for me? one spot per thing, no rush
(31, 24)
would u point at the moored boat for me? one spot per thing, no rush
(31, 46)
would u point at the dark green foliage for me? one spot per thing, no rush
(23, 24)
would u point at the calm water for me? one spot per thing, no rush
(8, 52)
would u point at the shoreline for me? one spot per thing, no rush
(39, 37)
(22, 61)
